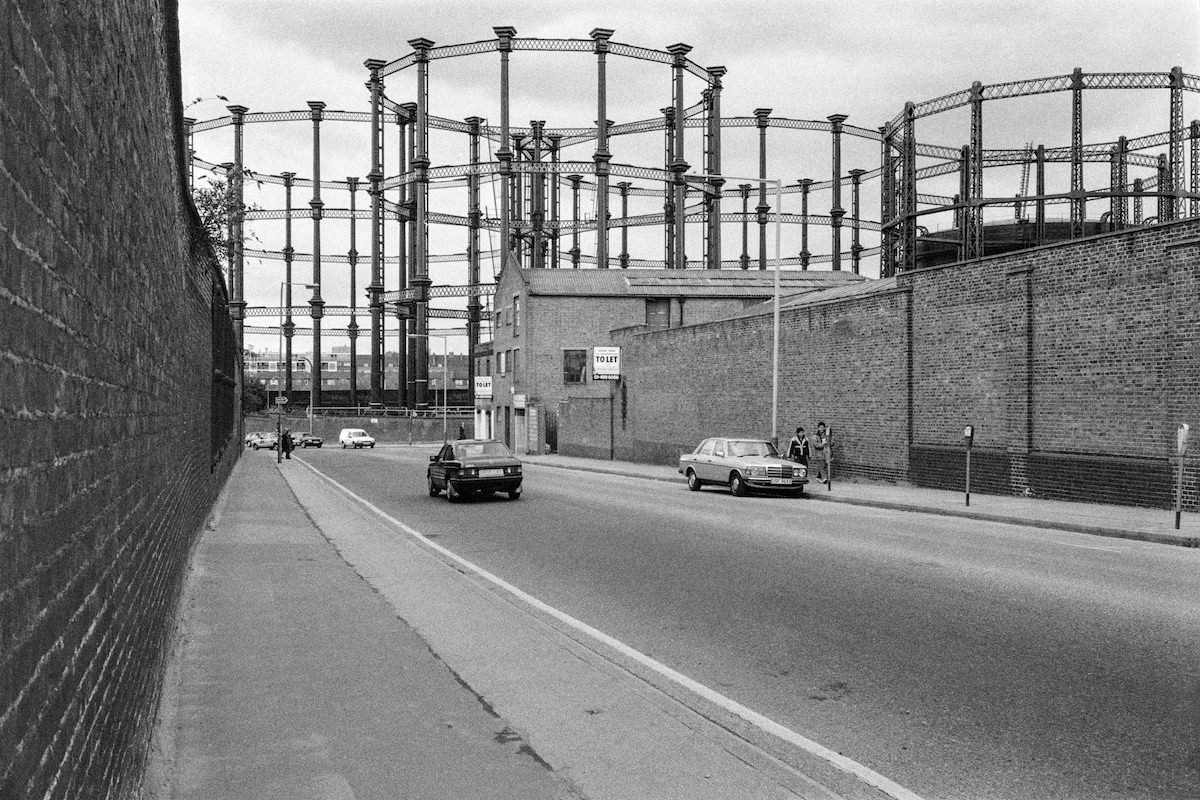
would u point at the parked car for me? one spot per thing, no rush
(254, 436)
(261, 441)
(306, 440)
(356, 438)
(474, 466)
(742, 465)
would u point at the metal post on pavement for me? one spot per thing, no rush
(777, 262)
(969, 440)
(829, 459)
(1181, 444)
(280, 402)
(445, 375)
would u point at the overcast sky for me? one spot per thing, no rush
(805, 59)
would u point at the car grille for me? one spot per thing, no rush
(779, 470)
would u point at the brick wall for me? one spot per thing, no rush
(1075, 362)
(841, 362)
(117, 369)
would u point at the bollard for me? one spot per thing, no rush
(969, 440)
(1181, 443)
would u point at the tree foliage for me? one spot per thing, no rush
(254, 398)
(217, 203)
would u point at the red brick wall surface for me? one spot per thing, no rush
(842, 363)
(112, 322)
(1075, 363)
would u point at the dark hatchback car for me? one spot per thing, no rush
(474, 466)
(306, 440)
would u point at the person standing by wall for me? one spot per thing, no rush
(285, 443)
(824, 453)
(798, 448)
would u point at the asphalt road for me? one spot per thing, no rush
(960, 659)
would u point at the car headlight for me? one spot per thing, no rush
(801, 471)
(758, 472)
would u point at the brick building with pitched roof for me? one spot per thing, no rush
(548, 322)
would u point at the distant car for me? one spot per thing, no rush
(742, 465)
(306, 440)
(253, 437)
(474, 466)
(356, 438)
(266, 441)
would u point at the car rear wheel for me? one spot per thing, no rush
(433, 490)
(693, 481)
(737, 485)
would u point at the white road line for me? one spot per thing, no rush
(763, 723)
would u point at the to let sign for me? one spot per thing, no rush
(483, 387)
(606, 363)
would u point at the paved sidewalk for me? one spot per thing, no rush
(295, 680)
(1126, 522)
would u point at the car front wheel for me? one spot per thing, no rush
(693, 481)
(737, 485)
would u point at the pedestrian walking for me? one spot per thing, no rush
(285, 443)
(798, 448)
(462, 431)
(824, 452)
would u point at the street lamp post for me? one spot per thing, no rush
(282, 358)
(445, 337)
(279, 415)
(286, 360)
(775, 322)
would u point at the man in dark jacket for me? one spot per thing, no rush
(285, 443)
(798, 448)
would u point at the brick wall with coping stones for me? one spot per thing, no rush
(106, 385)
(840, 362)
(1075, 362)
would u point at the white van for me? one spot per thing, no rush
(355, 437)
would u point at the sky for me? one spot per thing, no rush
(804, 59)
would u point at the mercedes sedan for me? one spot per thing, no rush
(474, 466)
(743, 465)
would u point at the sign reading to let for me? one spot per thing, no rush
(606, 363)
(483, 387)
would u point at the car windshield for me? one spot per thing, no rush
(474, 449)
(751, 448)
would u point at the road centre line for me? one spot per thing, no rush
(763, 723)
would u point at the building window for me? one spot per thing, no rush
(516, 358)
(574, 366)
(658, 312)
(501, 363)
(516, 313)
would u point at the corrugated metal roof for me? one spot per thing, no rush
(677, 283)
(857, 289)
